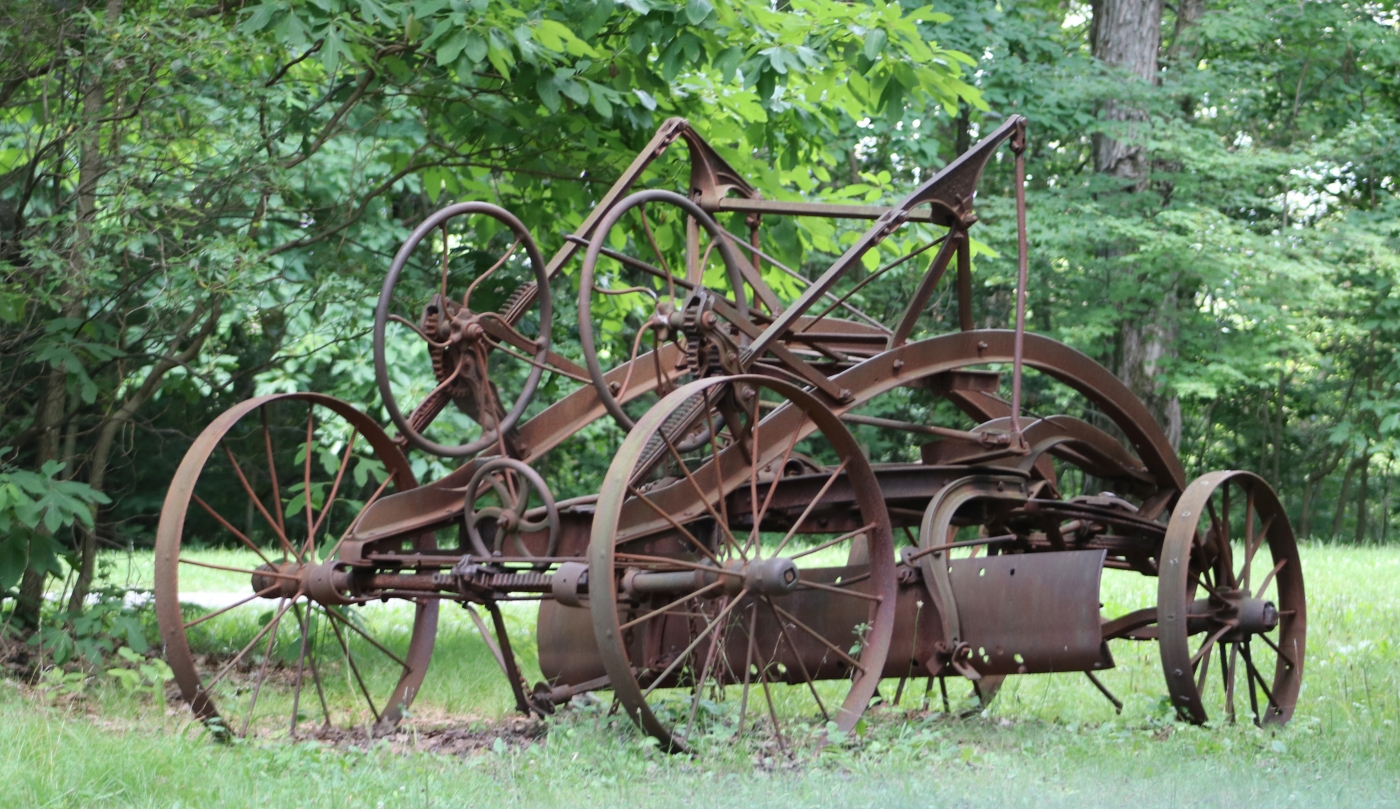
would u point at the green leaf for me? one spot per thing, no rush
(452, 46)
(476, 47)
(548, 91)
(875, 43)
(697, 10)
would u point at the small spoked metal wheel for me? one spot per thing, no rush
(261, 626)
(1230, 595)
(468, 295)
(720, 588)
(498, 500)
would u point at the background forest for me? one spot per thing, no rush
(199, 200)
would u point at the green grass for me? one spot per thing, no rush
(1048, 741)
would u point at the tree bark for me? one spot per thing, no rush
(1342, 498)
(1361, 494)
(51, 412)
(1126, 35)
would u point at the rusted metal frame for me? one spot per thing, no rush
(866, 280)
(949, 193)
(508, 664)
(554, 361)
(965, 321)
(757, 253)
(951, 244)
(1103, 689)
(784, 355)
(966, 543)
(1018, 147)
(909, 427)
(824, 210)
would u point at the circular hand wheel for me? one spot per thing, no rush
(512, 482)
(663, 315)
(462, 342)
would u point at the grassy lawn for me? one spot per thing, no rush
(1048, 740)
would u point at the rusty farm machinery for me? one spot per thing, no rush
(745, 560)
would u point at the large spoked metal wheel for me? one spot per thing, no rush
(260, 626)
(658, 274)
(716, 580)
(1231, 593)
(468, 289)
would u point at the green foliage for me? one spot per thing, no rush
(34, 505)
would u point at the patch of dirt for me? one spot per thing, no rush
(454, 739)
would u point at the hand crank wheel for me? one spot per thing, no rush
(622, 284)
(474, 343)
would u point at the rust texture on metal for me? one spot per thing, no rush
(743, 547)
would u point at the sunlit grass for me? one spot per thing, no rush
(1047, 741)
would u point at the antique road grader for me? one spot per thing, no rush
(744, 561)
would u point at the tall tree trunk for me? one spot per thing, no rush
(51, 413)
(1342, 498)
(1127, 35)
(1361, 494)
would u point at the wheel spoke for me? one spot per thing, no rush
(262, 673)
(836, 541)
(306, 492)
(748, 665)
(773, 486)
(269, 573)
(805, 512)
(687, 597)
(1270, 577)
(1277, 650)
(812, 585)
(335, 489)
(281, 535)
(704, 675)
(719, 617)
(216, 613)
(700, 546)
(335, 614)
(354, 669)
(272, 469)
(1249, 665)
(229, 527)
(828, 644)
(723, 523)
(1209, 642)
(797, 655)
(209, 686)
(1205, 667)
(1251, 548)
